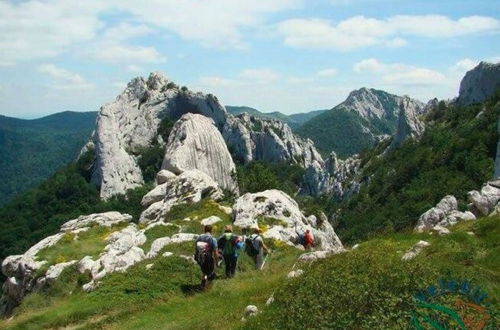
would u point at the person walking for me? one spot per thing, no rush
(230, 245)
(257, 249)
(206, 255)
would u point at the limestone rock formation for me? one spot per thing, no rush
(444, 214)
(335, 177)
(483, 203)
(287, 221)
(409, 125)
(22, 270)
(188, 187)
(196, 144)
(479, 83)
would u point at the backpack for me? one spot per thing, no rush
(204, 247)
(231, 244)
(250, 246)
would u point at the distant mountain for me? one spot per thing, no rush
(365, 117)
(33, 149)
(300, 118)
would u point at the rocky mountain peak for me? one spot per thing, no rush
(479, 83)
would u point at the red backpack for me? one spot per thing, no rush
(308, 239)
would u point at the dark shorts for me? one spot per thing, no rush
(208, 266)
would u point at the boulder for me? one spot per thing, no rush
(156, 195)
(415, 250)
(251, 310)
(483, 202)
(440, 230)
(56, 270)
(210, 220)
(163, 176)
(196, 143)
(106, 219)
(295, 273)
(287, 221)
(189, 187)
(444, 214)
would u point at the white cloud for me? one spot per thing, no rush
(134, 68)
(464, 65)
(330, 72)
(359, 31)
(124, 31)
(400, 74)
(121, 53)
(64, 79)
(262, 76)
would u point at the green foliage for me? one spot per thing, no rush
(455, 155)
(32, 150)
(150, 160)
(371, 288)
(259, 176)
(165, 128)
(157, 232)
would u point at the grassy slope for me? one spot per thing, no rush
(371, 287)
(366, 288)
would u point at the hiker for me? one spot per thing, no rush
(308, 240)
(256, 248)
(206, 255)
(230, 245)
(305, 238)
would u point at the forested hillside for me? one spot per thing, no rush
(34, 149)
(455, 155)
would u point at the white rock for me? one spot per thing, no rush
(295, 273)
(437, 214)
(189, 259)
(167, 254)
(156, 195)
(251, 310)
(313, 256)
(355, 246)
(157, 246)
(195, 143)
(183, 237)
(210, 220)
(226, 209)
(409, 124)
(270, 300)
(415, 250)
(479, 83)
(278, 205)
(106, 219)
(484, 202)
(149, 266)
(441, 230)
(164, 176)
(55, 271)
(189, 187)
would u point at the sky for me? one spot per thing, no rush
(274, 55)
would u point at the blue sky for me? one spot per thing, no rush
(274, 55)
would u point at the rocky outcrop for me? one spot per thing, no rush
(196, 144)
(188, 187)
(25, 272)
(444, 214)
(484, 202)
(409, 125)
(131, 123)
(335, 177)
(251, 138)
(479, 83)
(286, 219)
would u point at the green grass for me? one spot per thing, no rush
(75, 247)
(197, 212)
(158, 232)
(371, 287)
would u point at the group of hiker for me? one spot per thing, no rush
(211, 252)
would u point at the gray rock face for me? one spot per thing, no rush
(497, 159)
(22, 270)
(253, 138)
(131, 123)
(289, 219)
(195, 143)
(409, 125)
(483, 203)
(189, 187)
(444, 214)
(334, 177)
(479, 83)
